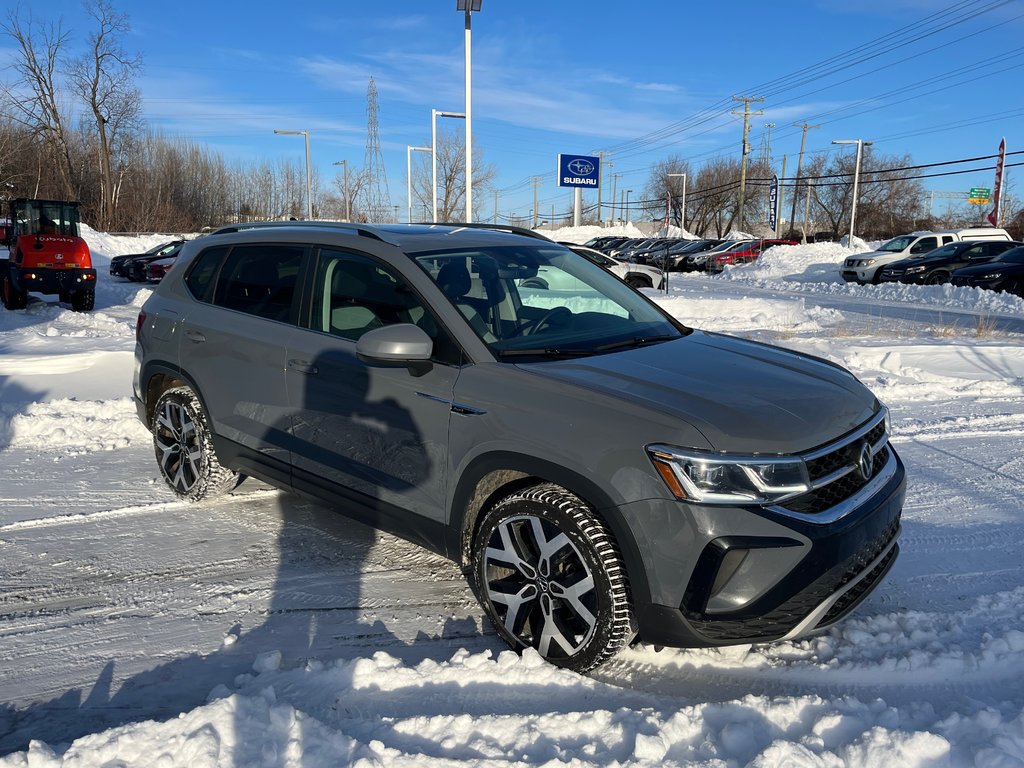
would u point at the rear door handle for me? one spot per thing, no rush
(303, 366)
(196, 336)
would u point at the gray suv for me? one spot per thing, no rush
(601, 472)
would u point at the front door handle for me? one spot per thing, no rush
(197, 337)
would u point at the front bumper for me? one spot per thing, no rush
(732, 575)
(860, 275)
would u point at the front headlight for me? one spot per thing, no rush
(992, 276)
(713, 478)
(867, 262)
(915, 270)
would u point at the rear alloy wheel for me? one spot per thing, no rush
(184, 448)
(12, 297)
(550, 577)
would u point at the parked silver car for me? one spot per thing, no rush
(602, 472)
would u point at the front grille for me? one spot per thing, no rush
(783, 619)
(844, 456)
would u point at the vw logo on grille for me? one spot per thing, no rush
(865, 462)
(581, 167)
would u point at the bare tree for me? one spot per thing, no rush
(104, 79)
(33, 95)
(451, 178)
(666, 184)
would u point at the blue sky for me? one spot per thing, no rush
(580, 76)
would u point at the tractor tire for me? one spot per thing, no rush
(83, 301)
(13, 298)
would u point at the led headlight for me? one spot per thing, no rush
(867, 262)
(713, 478)
(992, 276)
(915, 270)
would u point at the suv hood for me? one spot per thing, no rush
(742, 396)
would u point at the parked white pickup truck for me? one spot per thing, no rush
(866, 267)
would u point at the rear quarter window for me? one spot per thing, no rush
(201, 275)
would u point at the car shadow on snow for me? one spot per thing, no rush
(338, 589)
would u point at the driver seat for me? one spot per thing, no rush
(455, 282)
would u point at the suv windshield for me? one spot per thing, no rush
(898, 244)
(544, 301)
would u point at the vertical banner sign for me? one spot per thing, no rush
(773, 202)
(997, 192)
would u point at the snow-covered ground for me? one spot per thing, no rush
(263, 630)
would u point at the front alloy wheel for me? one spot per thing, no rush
(550, 577)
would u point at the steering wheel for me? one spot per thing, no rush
(554, 316)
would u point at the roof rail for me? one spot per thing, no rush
(499, 227)
(359, 229)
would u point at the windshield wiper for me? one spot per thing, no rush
(544, 352)
(641, 341)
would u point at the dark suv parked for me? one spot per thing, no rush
(601, 472)
(935, 267)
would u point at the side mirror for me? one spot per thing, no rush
(398, 345)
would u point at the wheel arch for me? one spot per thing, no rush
(157, 377)
(491, 477)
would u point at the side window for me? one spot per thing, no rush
(975, 251)
(261, 280)
(353, 294)
(947, 239)
(199, 280)
(924, 245)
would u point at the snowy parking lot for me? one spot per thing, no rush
(265, 630)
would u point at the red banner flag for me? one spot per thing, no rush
(997, 192)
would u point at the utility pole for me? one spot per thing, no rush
(495, 221)
(799, 169)
(600, 183)
(615, 182)
(747, 100)
(536, 181)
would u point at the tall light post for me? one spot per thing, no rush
(625, 211)
(434, 114)
(856, 177)
(467, 7)
(348, 206)
(408, 176)
(682, 214)
(309, 177)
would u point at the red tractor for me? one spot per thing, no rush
(47, 255)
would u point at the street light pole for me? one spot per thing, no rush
(682, 213)
(434, 114)
(856, 178)
(468, 6)
(625, 212)
(309, 177)
(408, 176)
(348, 207)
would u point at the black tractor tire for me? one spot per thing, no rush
(13, 298)
(549, 576)
(82, 301)
(183, 442)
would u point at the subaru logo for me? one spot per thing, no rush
(865, 462)
(581, 167)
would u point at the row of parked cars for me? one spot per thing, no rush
(149, 266)
(981, 257)
(678, 255)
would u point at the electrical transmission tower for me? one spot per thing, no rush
(377, 199)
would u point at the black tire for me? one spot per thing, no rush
(83, 301)
(534, 282)
(183, 443)
(542, 600)
(937, 278)
(12, 297)
(638, 281)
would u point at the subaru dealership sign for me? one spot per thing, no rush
(579, 171)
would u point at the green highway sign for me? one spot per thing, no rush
(979, 196)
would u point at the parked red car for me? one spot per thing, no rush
(743, 253)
